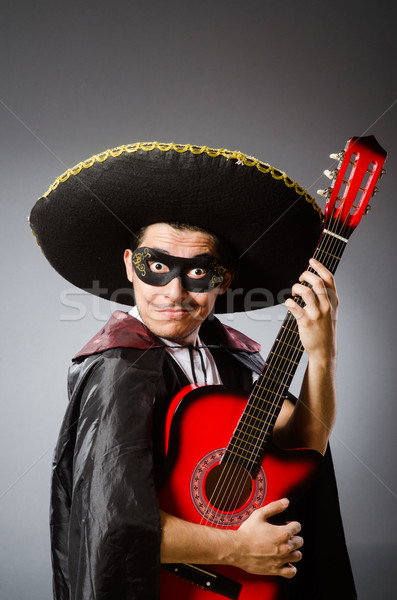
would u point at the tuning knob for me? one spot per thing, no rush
(337, 155)
(331, 174)
(367, 209)
(376, 190)
(383, 171)
(326, 193)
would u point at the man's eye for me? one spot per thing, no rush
(158, 267)
(197, 273)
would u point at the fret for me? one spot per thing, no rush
(248, 458)
(271, 379)
(254, 395)
(294, 347)
(259, 387)
(244, 442)
(246, 414)
(252, 409)
(295, 331)
(251, 435)
(250, 426)
(277, 369)
(329, 254)
(263, 422)
(284, 357)
(262, 410)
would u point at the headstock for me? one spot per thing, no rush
(353, 183)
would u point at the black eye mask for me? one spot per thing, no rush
(199, 274)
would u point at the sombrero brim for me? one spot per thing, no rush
(85, 221)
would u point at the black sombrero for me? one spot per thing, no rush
(84, 222)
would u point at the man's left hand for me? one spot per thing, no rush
(317, 319)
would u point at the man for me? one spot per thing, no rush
(106, 535)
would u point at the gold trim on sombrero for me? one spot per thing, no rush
(248, 161)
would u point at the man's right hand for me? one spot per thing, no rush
(265, 549)
(257, 547)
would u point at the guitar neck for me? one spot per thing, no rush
(360, 166)
(255, 426)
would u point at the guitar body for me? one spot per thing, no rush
(199, 425)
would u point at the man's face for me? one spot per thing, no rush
(170, 311)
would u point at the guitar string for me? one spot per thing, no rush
(244, 443)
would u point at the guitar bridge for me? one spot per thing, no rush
(206, 579)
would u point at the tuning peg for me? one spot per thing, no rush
(331, 174)
(376, 190)
(337, 155)
(383, 172)
(368, 208)
(326, 193)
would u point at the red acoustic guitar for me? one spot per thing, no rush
(221, 473)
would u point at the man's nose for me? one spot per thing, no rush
(174, 289)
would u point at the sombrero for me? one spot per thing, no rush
(84, 222)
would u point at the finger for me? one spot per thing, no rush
(288, 571)
(295, 556)
(310, 293)
(295, 541)
(313, 280)
(318, 273)
(323, 272)
(316, 286)
(326, 296)
(310, 299)
(273, 508)
(292, 528)
(290, 548)
(294, 308)
(287, 538)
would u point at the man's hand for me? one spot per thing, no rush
(257, 547)
(317, 319)
(265, 549)
(308, 424)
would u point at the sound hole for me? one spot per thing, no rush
(228, 487)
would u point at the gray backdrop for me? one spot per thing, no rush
(287, 82)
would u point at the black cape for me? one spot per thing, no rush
(105, 523)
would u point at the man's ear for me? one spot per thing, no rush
(227, 280)
(128, 265)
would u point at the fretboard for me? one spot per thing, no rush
(254, 429)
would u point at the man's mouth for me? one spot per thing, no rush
(175, 310)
